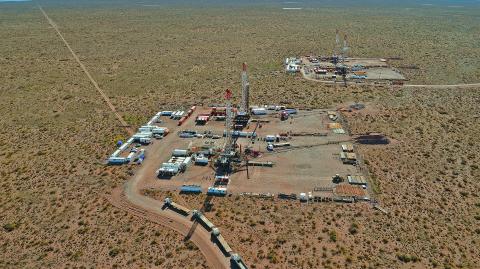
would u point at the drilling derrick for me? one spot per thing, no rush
(243, 116)
(245, 90)
(345, 48)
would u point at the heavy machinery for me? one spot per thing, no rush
(337, 179)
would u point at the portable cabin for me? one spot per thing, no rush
(221, 180)
(125, 146)
(259, 111)
(145, 140)
(357, 180)
(168, 169)
(116, 160)
(202, 119)
(153, 120)
(218, 111)
(347, 147)
(216, 191)
(160, 130)
(201, 160)
(291, 111)
(131, 156)
(348, 158)
(270, 138)
(144, 130)
(187, 160)
(116, 153)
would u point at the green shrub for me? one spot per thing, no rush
(113, 252)
(9, 227)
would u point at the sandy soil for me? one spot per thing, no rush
(55, 132)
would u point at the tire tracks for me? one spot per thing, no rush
(85, 70)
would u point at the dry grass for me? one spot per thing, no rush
(55, 131)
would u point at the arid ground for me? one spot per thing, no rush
(56, 131)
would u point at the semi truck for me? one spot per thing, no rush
(236, 262)
(168, 203)
(224, 247)
(197, 215)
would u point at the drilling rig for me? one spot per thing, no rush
(243, 116)
(233, 124)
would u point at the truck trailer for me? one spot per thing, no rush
(222, 243)
(176, 207)
(197, 215)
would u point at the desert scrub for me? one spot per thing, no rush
(8, 227)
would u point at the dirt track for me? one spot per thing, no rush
(85, 70)
(458, 86)
(131, 199)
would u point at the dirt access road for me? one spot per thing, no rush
(429, 86)
(131, 199)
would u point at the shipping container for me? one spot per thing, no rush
(182, 120)
(166, 113)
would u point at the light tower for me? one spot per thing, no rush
(245, 90)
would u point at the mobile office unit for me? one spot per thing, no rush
(217, 191)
